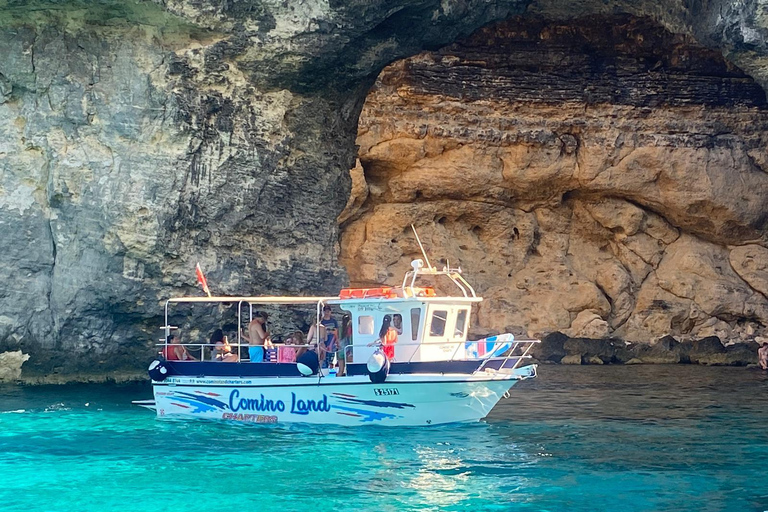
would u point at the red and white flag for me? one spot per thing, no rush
(201, 279)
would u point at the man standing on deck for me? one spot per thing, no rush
(332, 330)
(257, 337)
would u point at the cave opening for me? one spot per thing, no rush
(592, 162)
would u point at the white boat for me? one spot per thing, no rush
(435, 377)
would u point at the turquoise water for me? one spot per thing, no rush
(578, 438)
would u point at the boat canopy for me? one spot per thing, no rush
(255, 300)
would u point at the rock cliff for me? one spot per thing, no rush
(604, 183)
(140, 137)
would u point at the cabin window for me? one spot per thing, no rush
(461, 323)
(365, 325)
(437, 328)
(415, 319)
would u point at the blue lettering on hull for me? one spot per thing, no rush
(299, 406)
(304, 407)
(254, 404)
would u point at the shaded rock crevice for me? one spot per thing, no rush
(559, 348)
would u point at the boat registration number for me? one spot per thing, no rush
(385, 391)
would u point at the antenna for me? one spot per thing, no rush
(421, 247)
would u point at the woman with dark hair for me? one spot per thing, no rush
(388, 337)
(221, 350)
(175, 351)
(345, 350)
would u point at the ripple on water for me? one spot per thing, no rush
(578, 438)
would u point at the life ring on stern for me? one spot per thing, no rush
(378, 367)
(308, 363)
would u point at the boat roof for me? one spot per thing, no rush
(377, 300)
(255, 300)
(314, 300)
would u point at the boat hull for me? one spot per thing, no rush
(403, 400)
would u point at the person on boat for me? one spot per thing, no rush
(257, 337)
(397, 323)
(388, 337)
(287, 353)
(316, 332)
(175, 351)
(762, 356)
(331, 338)
(345, 341)
(222, 350)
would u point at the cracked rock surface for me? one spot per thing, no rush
(558, 161)
(600, 183)
(139, 138)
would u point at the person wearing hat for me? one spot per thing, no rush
(257, 337)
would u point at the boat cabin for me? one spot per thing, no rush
(432, 328)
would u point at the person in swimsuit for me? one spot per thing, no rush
(344, 354)
(388, 337)
(257, 337)
(222, 351)
(287, 353)
(175, 351)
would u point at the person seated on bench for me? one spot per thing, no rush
(222, 351)
(175, 351)
(287, 353)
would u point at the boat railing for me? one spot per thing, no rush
(518, 351)
(454, 274)
(212, 346)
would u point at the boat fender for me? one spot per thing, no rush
(308, 363)
(378, 367)
(157, 371)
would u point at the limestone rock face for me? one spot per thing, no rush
(585, 182)
(139, 138)
(751, 263)
(10, 365)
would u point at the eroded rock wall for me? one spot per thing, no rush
(129, 153)
(601, 177)
(138, 138)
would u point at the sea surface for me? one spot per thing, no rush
(624, 438)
